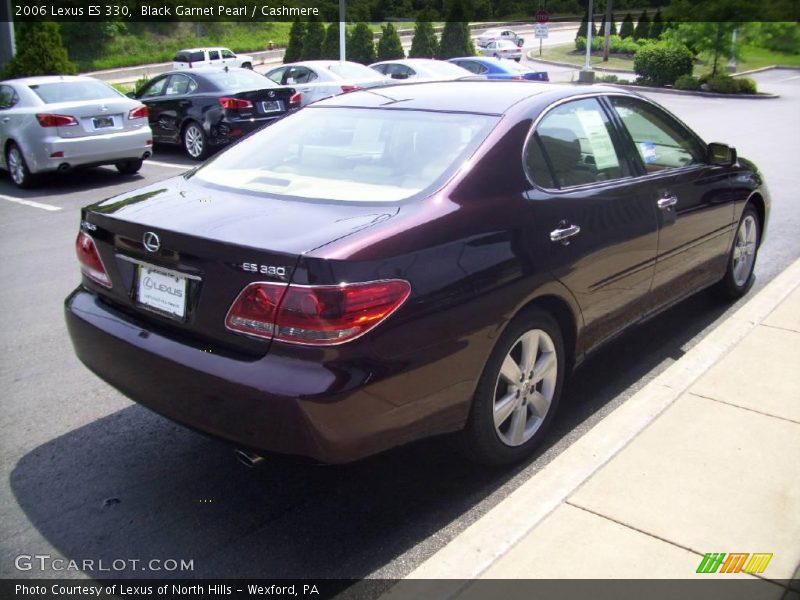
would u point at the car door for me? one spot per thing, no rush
(694, 199)
(593, 222)
(229, 58)
(214, 58)
(174, 105)
(152, 95)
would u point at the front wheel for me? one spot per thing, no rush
(518, 393)
(739, 276)
(195, 142)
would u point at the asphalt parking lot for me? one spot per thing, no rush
(88, 475)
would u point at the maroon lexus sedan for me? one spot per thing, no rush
(408, 261)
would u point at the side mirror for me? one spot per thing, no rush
(721, 154)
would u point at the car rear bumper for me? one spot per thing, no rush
(273, 403)
(90, 150)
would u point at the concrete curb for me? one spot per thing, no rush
(759, 96)
(494, 534)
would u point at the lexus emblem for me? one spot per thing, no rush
(103, 108)
(271, 94)
(151, 241)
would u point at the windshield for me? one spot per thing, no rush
(353, 71)
(349, 154)
(74, 91)
(238, 79)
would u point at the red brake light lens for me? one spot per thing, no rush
(90, 261)
(234, 103)
(349, 88)
(55, 120)
(319, 316)
(296, 99)
(140, 112)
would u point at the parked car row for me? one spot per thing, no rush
(59, 123)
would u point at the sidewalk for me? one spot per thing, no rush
(704, 459)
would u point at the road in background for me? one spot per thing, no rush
(87, 474)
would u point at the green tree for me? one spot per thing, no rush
(361, 46)
(707, 36)
(330, 47)
(657, 26)
(626, 29)
(40, 51)
(583, 30)
(424, 44)
(294, 50)
(456, 38)
(389, 46)
(312, 42)
(642, 30)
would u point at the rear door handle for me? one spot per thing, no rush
(563, 234)
(6, 119)
(667, 202)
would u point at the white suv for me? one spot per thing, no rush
(210, 57)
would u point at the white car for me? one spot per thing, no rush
(420, 69)
(491, 35)
(318, 79)
(502, 49)
(57, 123)
(192, 58)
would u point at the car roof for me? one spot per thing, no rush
(487, 97)
(40, 79)
(204, 48)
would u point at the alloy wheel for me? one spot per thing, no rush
(16, 165)
(193, 141)
(744, 250)
(525, 387)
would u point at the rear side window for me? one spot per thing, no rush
(197, 56)
(574, 144)
(350, 155)
(8, 96)
(662, 142)
(213, 55)
(74, 91)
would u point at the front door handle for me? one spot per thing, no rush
(667, 202)
(6, 119)
(563, 234)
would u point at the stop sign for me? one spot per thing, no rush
(542, 16)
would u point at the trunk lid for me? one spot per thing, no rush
(267, 102)
(95, 117)
(210, 245)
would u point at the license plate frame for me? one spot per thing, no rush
(270, 106)
(161, 290)
(103, 122)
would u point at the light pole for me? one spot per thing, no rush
(586, 74)
(342, 31)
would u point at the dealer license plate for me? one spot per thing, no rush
(270, 106)
(101, 122)
(164, 291)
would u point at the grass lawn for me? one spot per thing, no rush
(752, 58)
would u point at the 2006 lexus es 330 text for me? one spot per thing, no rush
(408, 261)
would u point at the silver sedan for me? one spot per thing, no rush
(318, 79)
(57, 123)
(502, 49)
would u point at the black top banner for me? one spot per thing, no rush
(385, 10)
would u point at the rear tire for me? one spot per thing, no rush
(518, 393)
(129, 167)
(739, 275)
(195, 142)
(18, 168)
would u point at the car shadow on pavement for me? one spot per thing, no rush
(134, 486)
(83, 180)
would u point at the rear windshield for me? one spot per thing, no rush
(238, 79)
(350, 154)
(353, 71)
(74, 91)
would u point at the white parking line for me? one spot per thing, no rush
(158, 163)
(30, 203)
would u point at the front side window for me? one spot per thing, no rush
(662, 142)
(228, 54)
(349, 154)
(574, 144)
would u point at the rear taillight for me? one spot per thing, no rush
(89, 258)
(518, 78)
(315, 315)
(296, 99)
(140, 112)
(234, 103)
(349, 88)
(56, 120)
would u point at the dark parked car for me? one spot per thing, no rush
(205, 108)
(378, 267)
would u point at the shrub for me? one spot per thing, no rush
(626, 29)
(361, 45)
(661, 63)
(312, 42)
(745, 85)
(295, 48)
(389, 46)
(330, 47)
(610, 78)
(642, 27)
(723, 84)
(616, 44)
(424, 44)
(687, 82)
(456, 38)
(39, 51)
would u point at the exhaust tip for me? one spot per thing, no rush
(146, 155)
(63, 167)
(248, 459)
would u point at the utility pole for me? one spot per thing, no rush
(586, 75)
(7, 45)
(342, 32)
(609, 17)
